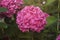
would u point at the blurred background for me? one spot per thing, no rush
(11, 31)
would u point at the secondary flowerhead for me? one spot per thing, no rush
(31, 18)
(11, 5)
(58, 37)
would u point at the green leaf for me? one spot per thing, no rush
(51, 20)
(3, 25)
(28, 2)
(49, 2)
(2, 9)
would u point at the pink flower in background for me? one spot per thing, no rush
(11, 5)
(58, 37)
(31, 18)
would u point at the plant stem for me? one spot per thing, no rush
(58, 18)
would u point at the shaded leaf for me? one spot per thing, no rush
(3, 25)
(2, 9)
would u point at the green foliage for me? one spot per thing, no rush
(3, 25)
(51, 20)
(49, 2)
(2, 9)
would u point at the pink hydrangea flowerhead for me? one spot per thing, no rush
(11, 5)
(58, 37)
(31, 18)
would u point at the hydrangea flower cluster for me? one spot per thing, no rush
(31, 18)
(58, 38)
(11, 6)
